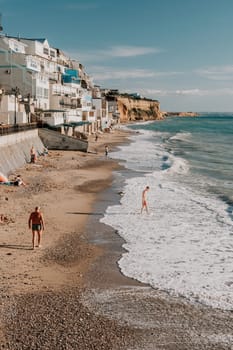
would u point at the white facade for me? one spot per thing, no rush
(97, 105)
(43, 74)
(54, 118)
(11, 111)
(15, 45)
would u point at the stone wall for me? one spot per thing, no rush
(133, 109)
(15, 149)
(55, 140)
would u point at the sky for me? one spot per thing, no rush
(179, 52)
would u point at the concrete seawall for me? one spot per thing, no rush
(15, 149)
(55, 140)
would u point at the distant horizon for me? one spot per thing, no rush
(200, 112)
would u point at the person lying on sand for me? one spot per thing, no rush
(16, 182)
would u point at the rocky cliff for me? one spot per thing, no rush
(181, 114)
(133, 109)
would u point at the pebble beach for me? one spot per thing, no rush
(70, 294)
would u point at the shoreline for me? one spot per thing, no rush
(58, 268)
(71, 292)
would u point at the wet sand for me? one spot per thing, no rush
(69, 294)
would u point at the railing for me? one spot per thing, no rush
(11, 129)
(67, 104)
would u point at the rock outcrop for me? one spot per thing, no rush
(141, 109)
(181, 114)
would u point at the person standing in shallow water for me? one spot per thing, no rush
(36, 223)
(144, 199)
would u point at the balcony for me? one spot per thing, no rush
(69, 104)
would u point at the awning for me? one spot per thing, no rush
(76, 123)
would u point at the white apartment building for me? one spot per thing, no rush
(37, 78)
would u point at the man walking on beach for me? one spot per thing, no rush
(144, 199)
(36, 223)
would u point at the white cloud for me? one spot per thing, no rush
(113, 52)
(188, 92)
(192, 92)
(217, 72)
(108, 73)
(122, 74)
(130, 51)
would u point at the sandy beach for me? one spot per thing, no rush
(69, 294)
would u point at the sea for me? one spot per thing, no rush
(184, 245)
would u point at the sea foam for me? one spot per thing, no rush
(184, 245)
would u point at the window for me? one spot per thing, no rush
(46, 51)
(52, 53)
(39, 92)
(46, 93)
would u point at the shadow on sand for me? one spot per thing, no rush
(16, 246)
(83, 213)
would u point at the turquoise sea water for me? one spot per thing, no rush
(184, 246)
(206, 143)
